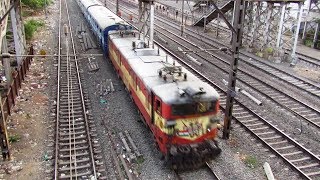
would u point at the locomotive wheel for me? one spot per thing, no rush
(184, 150)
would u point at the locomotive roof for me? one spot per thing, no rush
(104, 17)
(87, 3)
(147, 68)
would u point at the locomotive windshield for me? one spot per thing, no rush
(193, 108)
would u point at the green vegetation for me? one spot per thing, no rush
(269, 50)
(259, 54)
(14, 138)
(308, 42)
(140, 160)
(36, 4)
(30, 27)
(251, 161)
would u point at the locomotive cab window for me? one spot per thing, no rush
(193, 108)
(158, 106)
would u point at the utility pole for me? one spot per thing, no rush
(236, 43)
(117, 7)
(182, 14)
(45, 8)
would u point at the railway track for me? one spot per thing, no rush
(77, 151)
(207, 169)
(300, 109)
(297, 156)
(293, 80)
(288, 78)
(120, 166)
(292, 104)
(307, 59)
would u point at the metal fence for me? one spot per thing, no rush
(9, 100)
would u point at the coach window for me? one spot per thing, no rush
(158, 106)
(137, 83)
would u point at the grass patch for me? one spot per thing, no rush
(269, 50)
(259, 54)
(36, 4)
(251, 161)
(308, 42)
(14, 138)
(140, 160)
(31, 26)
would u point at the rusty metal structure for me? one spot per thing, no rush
(12, 40)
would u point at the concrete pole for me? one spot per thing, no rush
(306, 24)
(283, 11)
(6, 61)
(144, 34)
(218, 24)
(315, 37)
(117, 7)
(16, 38)
(296, 37)
(145, 28)
(182, 14)
(151, 24)
(140, 10)
(204, 23)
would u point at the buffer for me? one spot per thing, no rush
(214, 14)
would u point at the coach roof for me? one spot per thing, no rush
(104, 17)
(89, 3)
(146, 67)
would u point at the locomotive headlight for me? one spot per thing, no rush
(170, 123)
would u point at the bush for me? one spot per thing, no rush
(36, 4)
(308, 42)
(30, 27)
(269, 50)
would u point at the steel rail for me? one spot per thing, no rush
(81, 95)
(215, 176)
(293, 110)
(206, 39)
(296, 146)
(69, 71)
(113, 152)
(255, 115)
(58, 97)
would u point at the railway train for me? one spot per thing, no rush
(181, 111)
